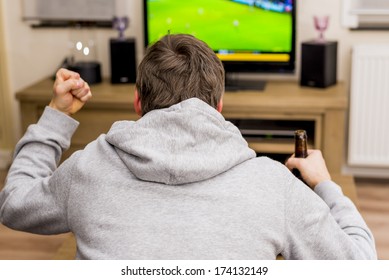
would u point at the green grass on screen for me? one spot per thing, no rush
(222, 24)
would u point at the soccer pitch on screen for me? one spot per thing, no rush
(222, 24)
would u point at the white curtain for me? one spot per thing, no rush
(69, 9)
(370, 5)
(366, 14)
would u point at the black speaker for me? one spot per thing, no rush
(89, 71)
(318, 63)
(123, 61)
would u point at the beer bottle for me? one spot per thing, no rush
(300, 148)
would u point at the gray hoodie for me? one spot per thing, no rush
(180, 183)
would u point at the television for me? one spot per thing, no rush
(249, 36)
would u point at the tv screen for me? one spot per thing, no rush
(247, 35)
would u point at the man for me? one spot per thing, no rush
(179, 183)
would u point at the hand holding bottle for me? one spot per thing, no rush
(313, 168)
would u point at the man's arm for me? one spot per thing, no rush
(316, 230)
(35, 195)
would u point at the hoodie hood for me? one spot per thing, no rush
(184, 143)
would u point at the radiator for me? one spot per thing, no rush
(368, 139)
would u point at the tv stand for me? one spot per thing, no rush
(238, 83)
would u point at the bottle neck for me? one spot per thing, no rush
(300, 144)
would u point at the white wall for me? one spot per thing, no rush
(36, 53)
(346, 38)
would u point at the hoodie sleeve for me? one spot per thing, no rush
(35, 194)
(324, 224)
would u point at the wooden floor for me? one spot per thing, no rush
(373, 198)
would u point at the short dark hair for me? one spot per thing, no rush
(176, 68)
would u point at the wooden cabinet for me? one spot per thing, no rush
(323, 111)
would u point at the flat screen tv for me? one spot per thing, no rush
(249, 36)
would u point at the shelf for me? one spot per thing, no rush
(273, 128)
(275, 136)
(279, 146)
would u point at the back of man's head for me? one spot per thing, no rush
(176, 68)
